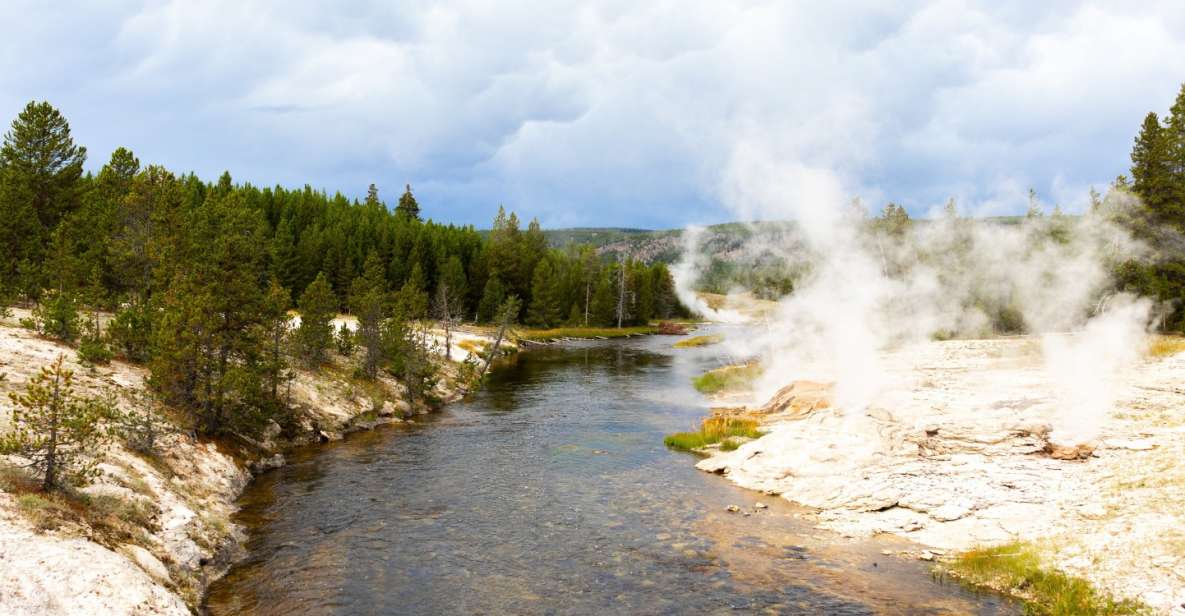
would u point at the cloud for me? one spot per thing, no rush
(609, 113)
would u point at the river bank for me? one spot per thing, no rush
(59, 560)
(955, 453)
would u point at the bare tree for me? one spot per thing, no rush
(506, 315)
(447, 310)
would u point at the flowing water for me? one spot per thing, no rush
(550, 492)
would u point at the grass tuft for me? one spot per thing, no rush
(698, 341)
(714, 430)
(728, 378)
(1015, 569)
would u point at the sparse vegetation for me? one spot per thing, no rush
(558, 333)
(714, 430)
(728, 378)
(1165, 346)
(1016, 569)
(698, 341)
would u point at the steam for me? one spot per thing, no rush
(865, 293)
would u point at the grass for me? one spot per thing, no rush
(728, 378)
(698, 341)
(475, 347)
(1016, 569)
(111, 519)
(715, 430)
(557, 333)
(1164, 346)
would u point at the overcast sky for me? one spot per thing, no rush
(609, 113)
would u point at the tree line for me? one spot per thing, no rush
(200, 276)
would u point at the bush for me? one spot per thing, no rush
(28, 323)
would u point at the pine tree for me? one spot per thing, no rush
(315, 333)
(408, 207)
(1151, 168)
(544, 310)
(491, 299)
(57, 431)
(40, 155)
(275, 326)
(285, 263)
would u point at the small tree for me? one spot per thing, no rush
(315, 334)
(447, 308)
(92, 347)
(141, 429)
(57, 431)
(344, 341)
(57, 317)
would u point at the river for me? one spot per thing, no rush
(550, 492)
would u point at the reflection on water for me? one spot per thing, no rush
(550, 492)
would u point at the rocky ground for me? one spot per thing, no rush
(188, 490)
(956, 453)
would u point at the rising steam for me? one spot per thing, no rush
(864, 293)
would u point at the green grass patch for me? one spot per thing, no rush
(557, 333)
(1016, 569)
(729, 444)
(698, 341)
(715, 430)
(728, 378)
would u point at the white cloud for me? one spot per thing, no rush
(610, 113)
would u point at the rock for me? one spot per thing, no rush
(1081, 451)
(926, 555)
(761, 506)
(800, 398)
(732, 509)
(949, 512)
(265, 464)
(146, 561)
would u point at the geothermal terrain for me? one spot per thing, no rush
(958, 450)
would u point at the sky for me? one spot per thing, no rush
(613, 113)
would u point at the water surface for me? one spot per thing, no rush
(550, 492)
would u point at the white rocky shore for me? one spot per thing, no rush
(956, 453)
(190, 490)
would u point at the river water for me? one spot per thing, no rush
(550, 492)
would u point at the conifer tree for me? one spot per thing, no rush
(544, 310)
(57, 431)
(39, 155)
(315, 333)
(408, 207)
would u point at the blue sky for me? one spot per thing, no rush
(614, 113)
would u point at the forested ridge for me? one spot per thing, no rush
(200, 276)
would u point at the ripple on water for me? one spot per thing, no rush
(550, 493)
